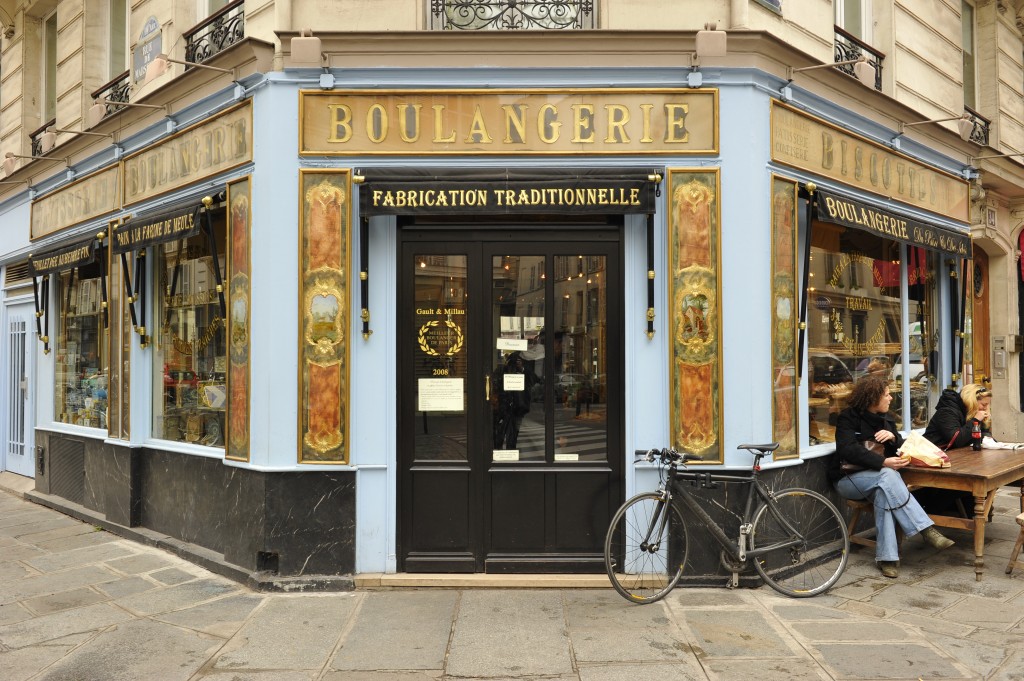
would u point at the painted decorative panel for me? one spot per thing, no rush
(694, 299)
(325, 237)
(239, 314)
(784, 318)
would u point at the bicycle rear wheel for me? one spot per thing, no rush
(814, 564)
(645, 549)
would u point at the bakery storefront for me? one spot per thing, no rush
(135, 319)
(521, 229)
(882, 293)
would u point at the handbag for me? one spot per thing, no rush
(874, 446)
(923, 453)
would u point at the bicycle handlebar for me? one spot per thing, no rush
(666, 456)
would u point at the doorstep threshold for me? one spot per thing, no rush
(481, 581)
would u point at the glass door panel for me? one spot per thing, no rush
(440, 364)
(516, 385)
(580, 358)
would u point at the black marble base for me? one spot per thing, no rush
(270, 525)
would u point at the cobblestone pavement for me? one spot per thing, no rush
(80, 603)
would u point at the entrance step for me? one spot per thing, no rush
(481, 581)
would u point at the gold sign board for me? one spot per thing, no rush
(814, 145)
(205, 149)
(87, 198)
(589, 121)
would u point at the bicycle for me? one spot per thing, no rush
(796, 538)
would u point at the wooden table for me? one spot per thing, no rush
(981, 474)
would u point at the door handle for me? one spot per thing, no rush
(487, 388)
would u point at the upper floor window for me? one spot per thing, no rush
(118, 38)
(49, 85)
(210, 7)
(967, 27)
(511, 15)
(854, 17)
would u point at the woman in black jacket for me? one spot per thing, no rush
(951, 427)
(866, 465)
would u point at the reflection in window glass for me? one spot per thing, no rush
(80, 395)
(190, 361)
(580, 359)
(853, 321)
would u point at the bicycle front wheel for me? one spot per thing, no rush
(817, 560)
(645, 548)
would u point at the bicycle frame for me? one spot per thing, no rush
(738, 549)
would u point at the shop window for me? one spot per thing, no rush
(853, 324)
(968, 48)
(81, 369)
(190, 353)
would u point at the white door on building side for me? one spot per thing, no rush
(16, 400)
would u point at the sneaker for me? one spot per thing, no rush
(889, 568)
(936, 540)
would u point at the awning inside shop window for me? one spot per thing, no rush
(841, 210)
(509, 191)
(144, 231)
(141, 232)
(63, 258)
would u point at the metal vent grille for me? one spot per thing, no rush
(67, 469)
(16, 273)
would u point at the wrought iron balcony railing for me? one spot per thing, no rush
(511, 15)
(850, 47)
(217, 32)
(36, 137)
(982, 125)
(116, 90)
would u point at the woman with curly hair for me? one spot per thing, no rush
(866, 465)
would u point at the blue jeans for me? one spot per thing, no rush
(893, 504)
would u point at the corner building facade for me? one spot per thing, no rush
(411, 306)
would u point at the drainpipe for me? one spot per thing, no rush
(739, 13)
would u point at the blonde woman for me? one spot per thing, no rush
(949, 428)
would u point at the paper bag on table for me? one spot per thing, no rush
(923, 453)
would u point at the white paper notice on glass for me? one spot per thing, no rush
(514, 344)
(567, 457)
(513, 382)
(441, 394)
(506, 455)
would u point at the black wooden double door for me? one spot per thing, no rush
(509, 397)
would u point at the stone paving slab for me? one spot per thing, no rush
(65, 600)
(689, 671)
(223, 617)
(177, 597)
(42, 585)
(739, 633)
(887, 661)
(55, 626)
(67, 558)
(766, 670)
(140, 649)
(605, 628)
(527, 627)
(25, 663)
(289, 633)
(417, 640)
